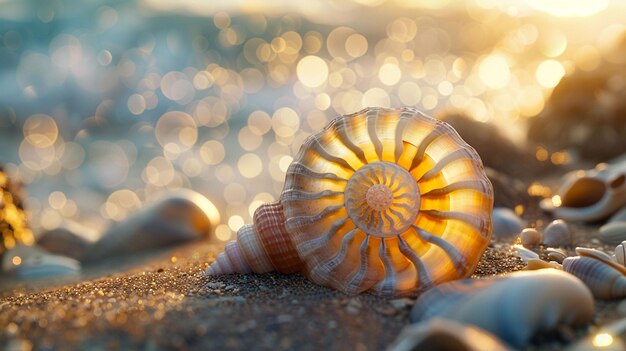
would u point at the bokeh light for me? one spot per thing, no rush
(98, 118)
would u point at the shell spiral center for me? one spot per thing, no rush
(382, 199)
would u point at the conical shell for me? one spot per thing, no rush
(262, 247)
(388, 200)
(605, 278)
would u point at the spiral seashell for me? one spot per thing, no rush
(605, 278)
(530, 237)
(557, 233)
(612, 233)
(387, 200)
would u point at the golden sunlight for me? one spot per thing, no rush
(569, 8)
(602, 340)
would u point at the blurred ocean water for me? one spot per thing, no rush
(105, 104)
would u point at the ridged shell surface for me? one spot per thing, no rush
(389, 200)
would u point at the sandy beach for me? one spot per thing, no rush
(165, 303)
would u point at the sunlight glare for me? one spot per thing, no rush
(569, 8)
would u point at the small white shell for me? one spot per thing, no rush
(536, 263)
(524, 253)
(605, 277)
(620, 253)
(557, 233)
(506, 224)
(530, 237)
(444, 334)
(612, 233)
(513, 307)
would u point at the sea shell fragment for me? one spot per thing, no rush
(556, 254)
(444, 334)
(524, 253)
(590, 195)
(620, 253)
(605, 278)
(387, 200)
(513, 307)
(612, 233)
(172, 219)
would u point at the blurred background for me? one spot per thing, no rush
(104, 104)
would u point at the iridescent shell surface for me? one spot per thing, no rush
(388, 200)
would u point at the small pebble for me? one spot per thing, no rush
(31, 262)
(557, 234)
(506, 224)
(530, 237)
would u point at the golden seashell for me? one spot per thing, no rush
(387, 200)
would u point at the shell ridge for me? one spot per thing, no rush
(372, 117)
(421, 150)
(383, 175)
(457, 154)
(394, 184)
(237, 258)
(601, 256)
(299, 168)
(388, 284)
(306, 247)
(399, 136)
(297, 194)
(476, 185)
(458, 260)
(599, 277)
(345, 140)
(423, 277)
(332, 263)
(296, 222)
(253, 250)
(354, 285)
(474, 221)
(320, 150)
(400, 216)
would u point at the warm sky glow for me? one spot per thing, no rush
(569, 8)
